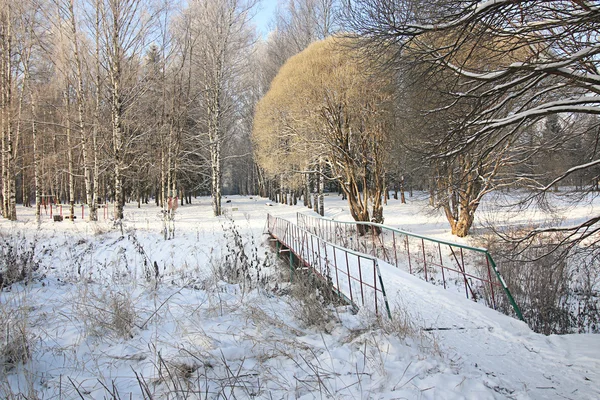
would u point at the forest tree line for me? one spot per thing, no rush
(121, 100)
(133, 100)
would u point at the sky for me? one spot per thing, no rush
(264, 15)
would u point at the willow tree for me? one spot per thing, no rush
(329, 105)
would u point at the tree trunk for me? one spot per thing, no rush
(214, 137)
(402, 196)
(70, 166)
(36, 161)
(80, 113)
(117, 134)
(9, 205)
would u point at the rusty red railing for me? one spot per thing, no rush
(354, 276)
(436, 261)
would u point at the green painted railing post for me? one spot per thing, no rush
(385, 300)
(291, 266)
(505, 287)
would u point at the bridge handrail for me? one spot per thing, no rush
(484, 251)
(359, 255)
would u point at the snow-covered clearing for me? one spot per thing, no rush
(101, 322)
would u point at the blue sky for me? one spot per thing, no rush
(265, 12)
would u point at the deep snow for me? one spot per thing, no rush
(196, 336)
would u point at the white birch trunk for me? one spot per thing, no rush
(36, 162)
(80, 110)
(70, 168)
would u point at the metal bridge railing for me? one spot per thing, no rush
(436, 261)
(352, 275)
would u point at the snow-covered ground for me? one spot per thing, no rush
(101, 322)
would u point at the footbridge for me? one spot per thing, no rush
(347, 256)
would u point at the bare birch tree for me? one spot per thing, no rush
(123, 28)
(7, 107)
(221, 34)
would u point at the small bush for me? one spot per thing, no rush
(556, 291)
(15, 339)
(313, 301)
(240, 262)
(17, 260)
(15, 347)
(111, 312)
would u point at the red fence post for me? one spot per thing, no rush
(349, 280)
(408, 253)
(375, 284)
(395, 251)
(362, 293)
(319, 254)
(462, 262)
(337, 279)
(442, 264)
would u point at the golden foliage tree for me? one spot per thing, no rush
(329, 104)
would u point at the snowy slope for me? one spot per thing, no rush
(193, 336)
(516, 360)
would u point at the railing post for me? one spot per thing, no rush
(291, 266)
(349, 279)
(424, 259)
(395, 251)
(408, 253)
(337, 277)
(326, 260)
(312, 246)
(462, 261)
(319, 254)
(362, 293)
(491, 284)
(442, 264)
(375, 284)
(304, 244)
(385, 300)
(505, 287)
